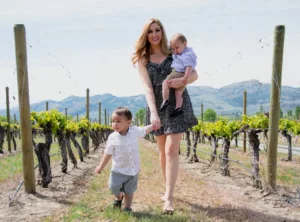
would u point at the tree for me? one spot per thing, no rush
(210, 115)
(297, 112)
(140, 116)
(281, 113)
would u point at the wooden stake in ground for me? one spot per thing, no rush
(245, 113)
(100, 113)
(275, 105)
(8, 120)
(24, 108)
(202, 119)
(88, 117)
(66, 113)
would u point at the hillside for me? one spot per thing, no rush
(226, 100)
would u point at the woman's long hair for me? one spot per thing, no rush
(142, 46)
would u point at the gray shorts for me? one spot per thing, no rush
(119, 182)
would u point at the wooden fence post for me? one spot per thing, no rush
(100, 113)
(88, 116)
(202, 119)
(245, 113)
(274, 113)
(8, 120)
(24, 108)
(66, 113)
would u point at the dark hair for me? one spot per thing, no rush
(123, 111)
(179, 37)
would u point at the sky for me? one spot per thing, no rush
(75, 45)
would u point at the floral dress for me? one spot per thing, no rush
(180, 123)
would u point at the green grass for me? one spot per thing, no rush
(289, 175)
(10, 166)
(80, 212)
(154, 214)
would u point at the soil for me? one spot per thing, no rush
(64, 190)
(200, 187)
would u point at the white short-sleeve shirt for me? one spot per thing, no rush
(125, 150)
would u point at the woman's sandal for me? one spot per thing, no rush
(168, 212)
(118, 203)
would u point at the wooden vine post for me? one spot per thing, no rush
(8, 120)
(245, 113)
(88, 116)
(24, 108)
(274, 113)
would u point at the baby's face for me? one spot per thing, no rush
(178, 46)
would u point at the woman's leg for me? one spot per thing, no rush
(161, 141)
(172, 165)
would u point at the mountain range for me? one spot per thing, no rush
(227, 100)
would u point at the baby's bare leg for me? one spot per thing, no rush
(178, 96)
(165, 90)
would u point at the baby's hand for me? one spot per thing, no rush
(98, 170)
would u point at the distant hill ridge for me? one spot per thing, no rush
(225, 101)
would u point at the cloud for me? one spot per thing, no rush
(15, 10)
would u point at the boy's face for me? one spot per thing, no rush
(120, 124)
(177, 46)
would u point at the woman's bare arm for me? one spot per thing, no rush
(176, 83)
(146, 82)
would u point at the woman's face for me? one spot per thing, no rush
(154, 34)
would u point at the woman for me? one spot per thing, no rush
(154, 64)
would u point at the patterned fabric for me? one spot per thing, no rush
(178, 124)
(125, 150)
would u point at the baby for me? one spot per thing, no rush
(184, 61)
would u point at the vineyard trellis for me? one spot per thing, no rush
(227, 131)
(49, 124)
(54, 123)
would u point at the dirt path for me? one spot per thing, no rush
(201, 187)
(62, 192)
(234, 199)
(201, 191)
